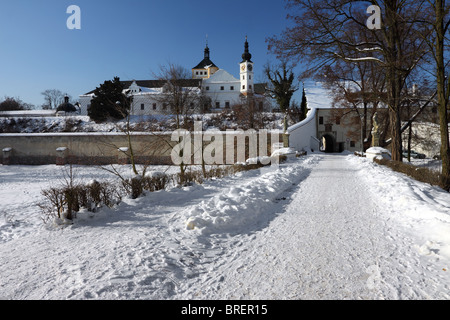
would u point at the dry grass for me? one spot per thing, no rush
(425, 175)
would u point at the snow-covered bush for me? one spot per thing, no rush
(155, 180)
(63, 203)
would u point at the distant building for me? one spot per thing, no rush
(66, 108)
(221, 88)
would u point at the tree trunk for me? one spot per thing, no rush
(396, 144)
(394, 78)
(441, 95)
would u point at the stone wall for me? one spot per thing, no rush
(101, 148)
(83, 148)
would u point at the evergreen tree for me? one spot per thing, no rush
(303, 106)
(109, 102)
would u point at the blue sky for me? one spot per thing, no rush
(129, 39)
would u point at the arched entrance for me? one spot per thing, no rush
(328, 143)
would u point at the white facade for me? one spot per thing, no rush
(223, 89)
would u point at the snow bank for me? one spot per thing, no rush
(423, 209)
(249, 203)
(377, 153)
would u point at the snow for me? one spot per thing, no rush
(316, 227)
(378, 153)
(83, 124)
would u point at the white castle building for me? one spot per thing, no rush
(221, 88)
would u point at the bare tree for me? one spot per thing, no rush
(356, 88)
(181, 96)
(323, 35)
(10, 104)
(53, 98)
(282, 84)
(435, 33)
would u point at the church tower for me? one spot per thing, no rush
(247, 75)
(206, 68)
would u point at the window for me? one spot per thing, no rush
(243, 77)
(320, 120)
(352, 144)
(250, 87)
(243, 87)
(154, 106)
(222, 88)
(250, 77)
(217, 104)
(207, 88)
(142, 106)
(231, 88)
(338, 120)
(196, 73)
(227, 104)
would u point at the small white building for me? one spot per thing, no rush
(221, 88)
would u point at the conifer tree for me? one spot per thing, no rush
(303, 106)
(109, 102)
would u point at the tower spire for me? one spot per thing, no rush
(206, 48)
(246, 56)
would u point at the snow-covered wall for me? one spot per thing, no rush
(302, 136)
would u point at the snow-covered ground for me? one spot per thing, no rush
(316, 227)
(53, 124)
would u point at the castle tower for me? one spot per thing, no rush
(247, 75)
(206, 68)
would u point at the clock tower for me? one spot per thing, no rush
(246, 72)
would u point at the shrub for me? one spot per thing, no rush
(64, 202)
(155, 181)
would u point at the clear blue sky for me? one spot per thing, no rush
(129, 39)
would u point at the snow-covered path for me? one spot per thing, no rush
(333, 241)
(318, 227)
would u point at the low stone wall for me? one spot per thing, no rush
(83, 148)
(96, 148)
